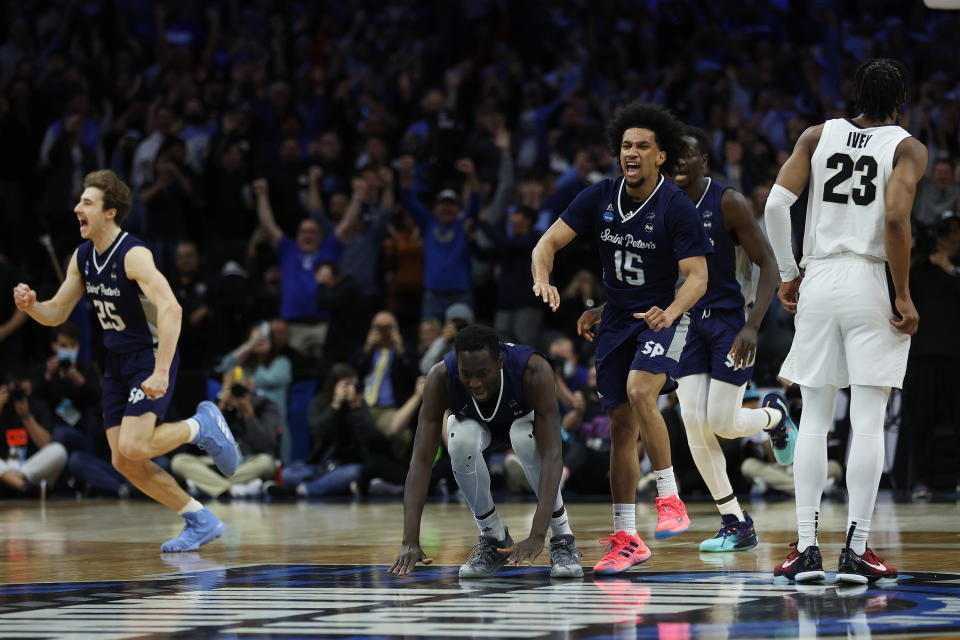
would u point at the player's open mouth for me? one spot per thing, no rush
(680, 175)
(632, 169)
(479, 394)
(83, 224)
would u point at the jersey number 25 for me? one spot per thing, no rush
(108, 316)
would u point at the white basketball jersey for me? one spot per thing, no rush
(848, 182)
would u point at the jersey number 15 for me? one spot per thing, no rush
(628, 267)
(864, 192)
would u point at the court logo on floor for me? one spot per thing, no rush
(299, 601)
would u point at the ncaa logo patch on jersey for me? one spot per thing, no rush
(86, 268)
(648, 227)
(708, 214)
(608, 214)
(707, 224)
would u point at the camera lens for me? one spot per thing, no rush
(237, 390)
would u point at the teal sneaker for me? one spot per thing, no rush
(783, 437)
(733, 535)
(215, 438)
(201, 527)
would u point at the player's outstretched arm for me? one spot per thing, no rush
(139, 266)
(436, 398)
(909, 165)
(793, 177)
(557, 237)
(56, 310)
(540, 388)
(738, 215)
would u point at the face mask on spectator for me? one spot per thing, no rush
(67, 354)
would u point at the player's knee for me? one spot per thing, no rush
(623, 427)
(463, 444)
(523, 442)
(643, 398)
(132, 450)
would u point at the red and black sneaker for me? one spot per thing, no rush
(801, 566)
(861, 569)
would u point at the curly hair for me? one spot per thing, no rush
(667, 130)
(881, 88)
(477, 337)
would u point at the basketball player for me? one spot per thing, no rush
(862, 174)
(491, 389)
(717, 361)
(141, 324)
(648, 233)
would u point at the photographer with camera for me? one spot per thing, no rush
(344, 436)
(254, 421)
(70, 388)
(32, 455)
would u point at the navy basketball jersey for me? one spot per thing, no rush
(640, 243)
(723, 287)
(128, 319)
(510, 403)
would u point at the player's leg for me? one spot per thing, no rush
(143, 473)
(624, 548)
(466, 441)
(564, 557)
(858, 563)
(809, 476)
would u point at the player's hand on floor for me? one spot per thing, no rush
(407, 559)
(744, 350)
(656, 318)
(909, 319)
(156, 385)
(548, 293)
(525, 551)
(24, 297)
(587, 321)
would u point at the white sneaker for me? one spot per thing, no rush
(250, 489)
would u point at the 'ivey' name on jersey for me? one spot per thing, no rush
(849, 169)
(510, 404)
(640, 243)
(128, 318)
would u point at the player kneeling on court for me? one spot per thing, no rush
(491, 389)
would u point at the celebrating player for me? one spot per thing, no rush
(141, 324)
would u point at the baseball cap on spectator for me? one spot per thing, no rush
(458, 310)
(448, 194)
(233, 268)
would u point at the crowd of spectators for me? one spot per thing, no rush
(335, 188)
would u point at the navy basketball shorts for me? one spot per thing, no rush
(625, 344)
(122, 395)
(711, 336)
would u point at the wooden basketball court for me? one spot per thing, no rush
(93, 568)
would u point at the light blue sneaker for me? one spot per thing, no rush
(733, 535)
(215, 438)
(783, 437)
(201, 527)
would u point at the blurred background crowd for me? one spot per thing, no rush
(335, 188)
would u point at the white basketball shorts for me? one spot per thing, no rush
(843, 331)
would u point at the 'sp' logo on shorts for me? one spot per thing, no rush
(136, 395)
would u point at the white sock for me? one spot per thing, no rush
(191, 507)
(774, 416)
(491, 526)
(807, 521)
(666, 483)
(732, 508)
(625, 518)
(858, 541)
(194, 427)
(560, 526)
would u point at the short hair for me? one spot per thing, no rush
(68, 330)
(477, 337)
(881, 88)
(698, 134)
(116, 194)
(667, 130)
(527, 212)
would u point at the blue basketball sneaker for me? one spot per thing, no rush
(783, 437)
(215, 438)
(733, 535)
(201, 527)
